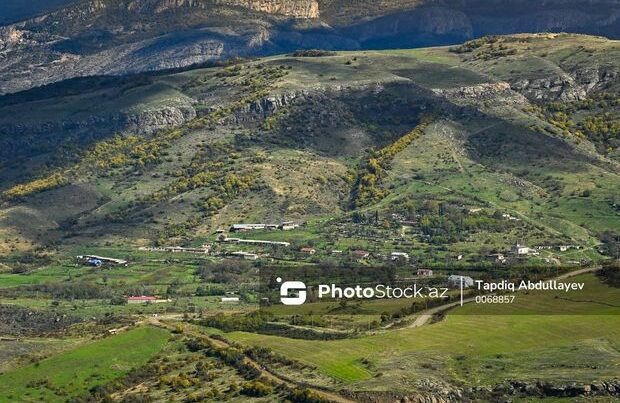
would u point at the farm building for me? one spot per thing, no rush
(246, 227)
(287, 226)
(399, 256)
(254, 241)
(455, 281)
(230, 300)
(244, 255)
(145, 300)
(176, 249)
(103, 260)
(424, 272)
(519, 249)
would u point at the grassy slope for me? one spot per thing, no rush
(73, 372)
(304, 167)
(577, 332)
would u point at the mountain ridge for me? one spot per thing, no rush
(127, 36)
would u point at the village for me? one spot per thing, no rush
(263, 243)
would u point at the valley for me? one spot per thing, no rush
(143, 216)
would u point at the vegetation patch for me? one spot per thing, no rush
(73, 372)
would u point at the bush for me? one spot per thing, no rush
(256, 389)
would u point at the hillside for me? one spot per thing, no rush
(122, 36)
(456, 140)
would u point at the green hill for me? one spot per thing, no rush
(499, 140)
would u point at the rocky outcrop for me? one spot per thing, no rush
(571, 86)
(127, 36)
(291, 8)
(546, 389)
(483, 92)
(14, 137)
(143, 122)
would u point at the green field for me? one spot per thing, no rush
(74, 372)
(474, 348)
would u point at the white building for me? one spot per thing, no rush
(230, 300)
(399, 256)
(455, 281)
(245, 255)
(519, 249)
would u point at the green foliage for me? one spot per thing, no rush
(487, 48)
(74, 372)
(367, 189)
(251, 322)
(38, 185)
(595, 118)
(256, 389)
(313, 53)
(304, 395)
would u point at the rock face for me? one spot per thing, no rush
(567, 86)
(295, 8)
(545, 389)
(126, 36)
(14, 137)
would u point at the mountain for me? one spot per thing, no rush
(18, 10)
(129, 36)
(499, 139)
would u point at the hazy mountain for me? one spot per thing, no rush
(125, 36)
(17, 10)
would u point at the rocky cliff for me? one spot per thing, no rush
(125, 36)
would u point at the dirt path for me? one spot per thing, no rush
(264, 372)
(424, 317)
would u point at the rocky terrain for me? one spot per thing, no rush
(128, 36)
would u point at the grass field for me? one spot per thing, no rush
(73, 372)
(472, 348)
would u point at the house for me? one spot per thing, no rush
(288, 225)
(229, 300)
(424, 272)
(456, 281)
(141, 300)
(496, 258)
(519, 249)
(399, 256)
(244, 255)
(308, 251)
(360, 254)
(509, 217)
